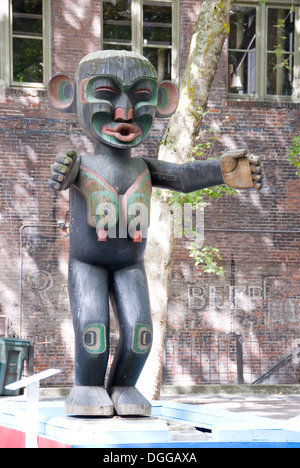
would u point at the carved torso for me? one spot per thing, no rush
(110, 209)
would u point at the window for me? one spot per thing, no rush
(264, 50)
(25, 43)
(147, 27)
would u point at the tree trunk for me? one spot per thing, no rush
(210, 32)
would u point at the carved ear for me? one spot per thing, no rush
(168, 97)
(61, 93)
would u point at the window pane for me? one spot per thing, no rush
(280, 74)
(34, 7)
(27, 60)
(242, 28)
(117, 20)
(242, 51)
(281, 40)
(161, 60)
(242, 81)
(153, 37)
(157, 23)
(25, 25)
(281, 26)
(116, 47)
(27, 54)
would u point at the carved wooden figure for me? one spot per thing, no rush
(116, 97)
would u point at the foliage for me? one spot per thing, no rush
(208, 257)
(28, 60)
(279, 51)
(293, 154)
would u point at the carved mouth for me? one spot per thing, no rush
(124, 132)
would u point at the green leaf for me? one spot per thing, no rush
(207, 258)
(293, 154)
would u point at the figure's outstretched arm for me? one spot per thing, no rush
(186, 177)
(233, 169)
(64, 171)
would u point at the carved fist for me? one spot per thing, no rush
(240, 171)
(64, 171)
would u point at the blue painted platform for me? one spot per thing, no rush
(228, 426)
(171, 425)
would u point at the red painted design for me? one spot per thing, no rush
(12, 438)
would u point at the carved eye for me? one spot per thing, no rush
(143, 94)
(104, 93)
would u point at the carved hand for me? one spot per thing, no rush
(64, 171)
(240, 171)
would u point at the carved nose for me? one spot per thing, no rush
(123, 109)
(122, 114)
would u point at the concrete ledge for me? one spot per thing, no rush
(230, 389)
(169, 390)
(54, 392)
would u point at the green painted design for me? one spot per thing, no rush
(145, 122)
(64, 85)
(142, 338)
(102, 201)
(163, 98)
(101, 198)
(94, 338)
(138, 204)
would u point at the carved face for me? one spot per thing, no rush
(117, 97)
(118, 114)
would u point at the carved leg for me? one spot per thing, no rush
(88, 291)
(130, 299)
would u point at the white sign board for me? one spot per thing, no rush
(32, 384)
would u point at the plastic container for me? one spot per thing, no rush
(13, 352)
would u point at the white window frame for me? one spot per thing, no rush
(6, 47)
(261, 50)
(137, 42)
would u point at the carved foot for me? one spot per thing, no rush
(89, 401)
(128, 401)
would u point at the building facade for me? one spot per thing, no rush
(240, 327)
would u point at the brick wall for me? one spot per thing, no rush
(256, 304)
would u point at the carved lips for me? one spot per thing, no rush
(123, 132)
